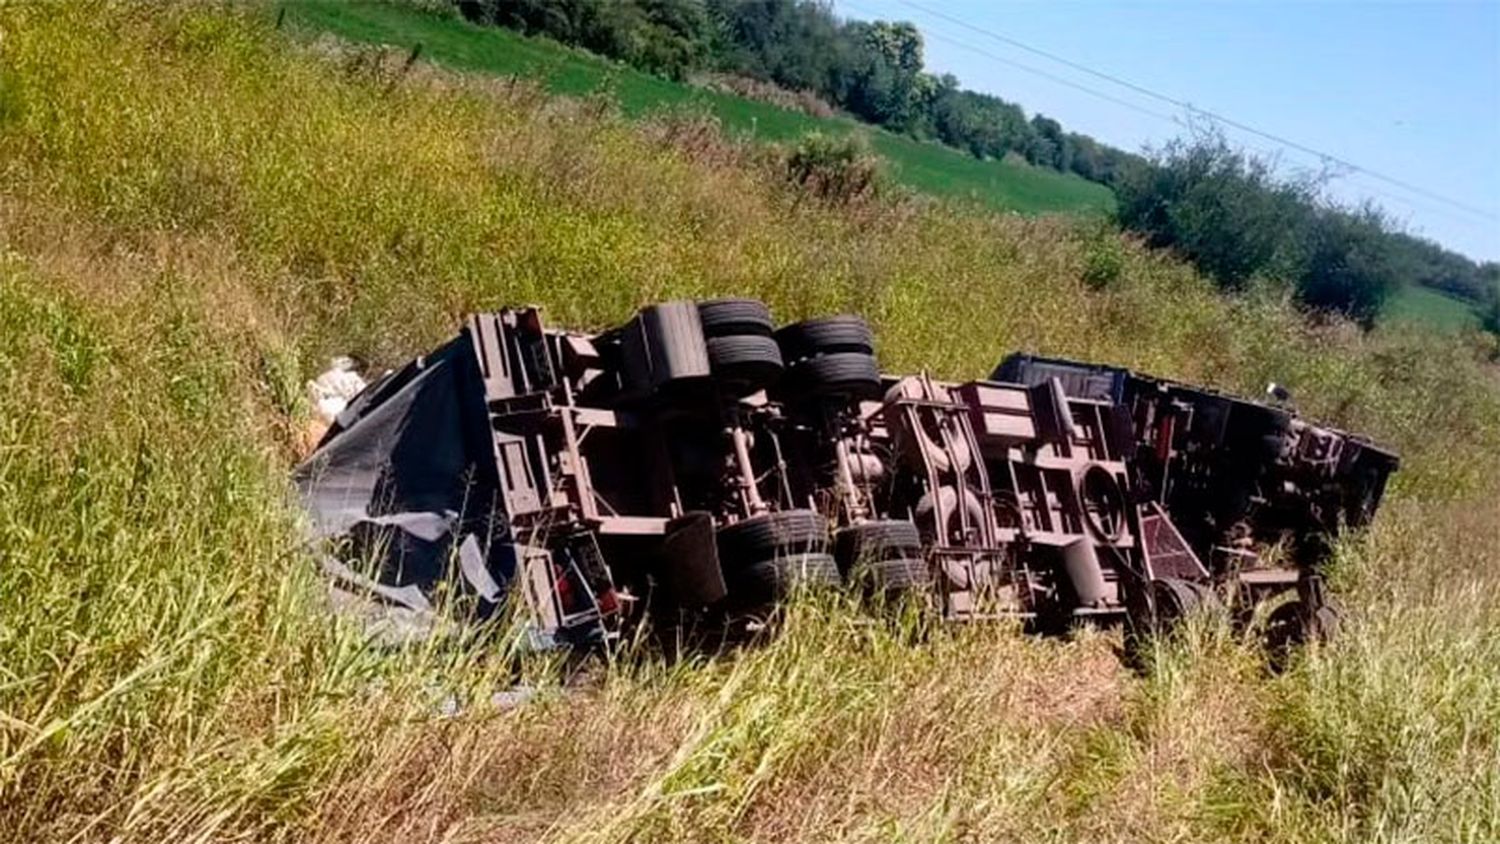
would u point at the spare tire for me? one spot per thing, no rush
(853, 375)
(1178, 599)
(770, 535)
(941, 515)
(744, 363)
(827, 335)
(1104, 503)
(725, 317)
(918, 446)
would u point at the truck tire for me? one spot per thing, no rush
(827, 335)
(767, 581)
(728, 317)
(852, 375)
(771, 535)
(1287, 628)
(744, 363)
(1177, 600)
(876, 541)
(1173, 597)
(892, 576)
(1291, 624)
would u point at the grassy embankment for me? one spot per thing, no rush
(925, 167)
(194, 214)
(1425, 306)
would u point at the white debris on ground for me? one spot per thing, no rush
(451, 706)
(331, 391)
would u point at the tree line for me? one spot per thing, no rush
(1228, 213)
(1236, 220)
(873, 70)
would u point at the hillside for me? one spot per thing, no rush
(925, 167)
(929, 168)
(1432, 308)
(196, 210)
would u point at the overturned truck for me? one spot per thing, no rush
(695, 464)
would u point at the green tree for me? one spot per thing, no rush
(1349, 262)
(669, 37)
(798, 45)
(1489, 314)
(1048, 147)
(873, 69)
(887, 82)
(1217, 206)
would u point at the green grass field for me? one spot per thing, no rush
(926, 167)
(1417, 304)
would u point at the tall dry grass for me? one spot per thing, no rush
(195, 212)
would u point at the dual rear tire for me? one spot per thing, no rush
(766, 557)
(734, 342)
(743, 355)
(882, 557)
(832, 357)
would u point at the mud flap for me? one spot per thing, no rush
(690, 561)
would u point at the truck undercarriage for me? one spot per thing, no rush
(694, 465)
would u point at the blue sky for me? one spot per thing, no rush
(1409, 90)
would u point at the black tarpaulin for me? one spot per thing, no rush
(401, 494)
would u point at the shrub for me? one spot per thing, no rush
(1348, 263)
(1103, 255)
(838, 168)
(1213, 204)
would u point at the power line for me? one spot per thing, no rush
(932, 33)
(1411, 204)
(941, 36)
(1269, 154)
(1189, 107)
(1265, 152)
